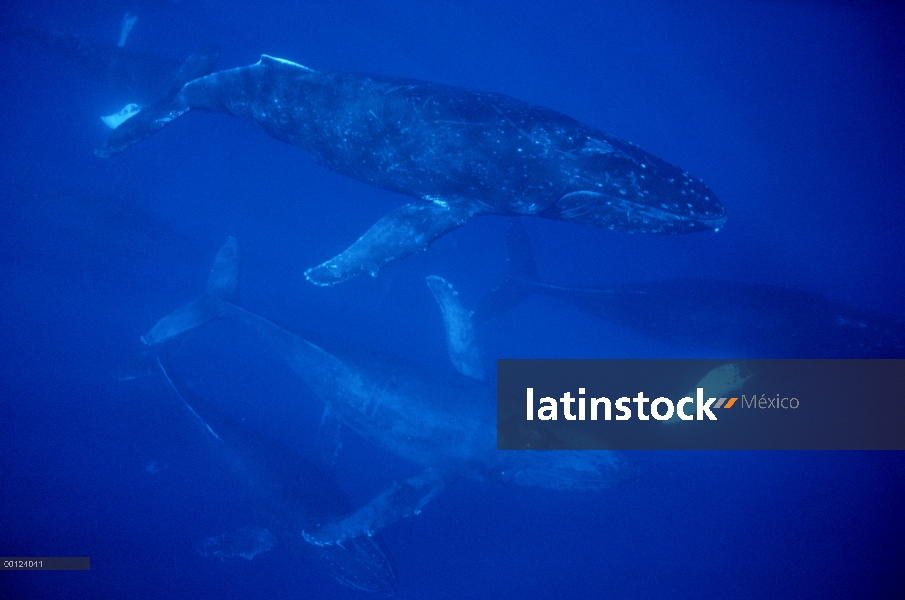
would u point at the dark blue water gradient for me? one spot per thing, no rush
(790, 111)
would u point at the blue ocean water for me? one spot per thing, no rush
(792, 112)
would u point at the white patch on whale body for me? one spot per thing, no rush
(438, 201)
(118, 118)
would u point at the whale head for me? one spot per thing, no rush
(619, 186)
(681, 205)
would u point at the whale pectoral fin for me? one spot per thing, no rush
(461, 341)
(406, 230)
(328, 438)
(402, 499)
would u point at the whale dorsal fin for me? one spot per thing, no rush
(461, 341)
(267, 60)
(223, 281)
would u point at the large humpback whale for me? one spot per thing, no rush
(460, 152)
(447, 425)
(734, 319)
(289, 494)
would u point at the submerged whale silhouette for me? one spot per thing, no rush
(289, 494)
(135, 77)
(461, 152)
(741, 320)
(447, 425)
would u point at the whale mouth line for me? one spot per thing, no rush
(671, 220)
(624, 205)
(632, 216)
(666, 214)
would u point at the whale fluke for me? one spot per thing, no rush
(222, 288)
(154, 117)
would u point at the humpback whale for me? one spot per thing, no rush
(460, 152)
(445, 424)
(290, 495)
(742, 320)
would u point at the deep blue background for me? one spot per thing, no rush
(791, 111)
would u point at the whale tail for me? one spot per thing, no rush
(521, 276)
(146, 121)
(222, 292)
